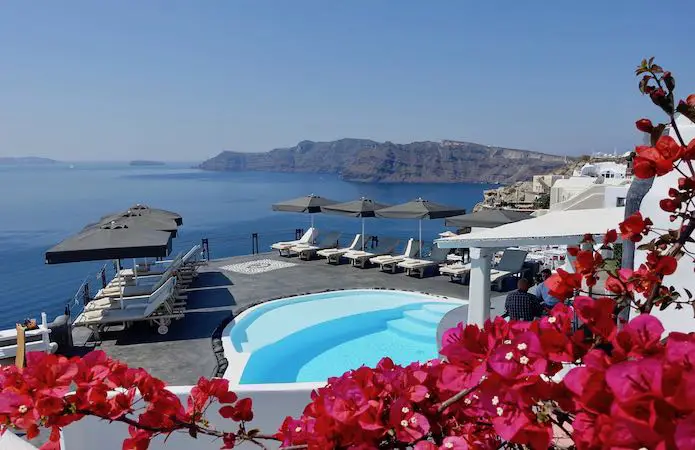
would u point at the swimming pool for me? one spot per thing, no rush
(312, 337)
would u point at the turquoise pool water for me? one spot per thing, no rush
(313, 337)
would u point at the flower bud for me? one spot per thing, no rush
(644, 125)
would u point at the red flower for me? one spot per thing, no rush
(610, 237)
(634, 226)
(689, 152)
(669, 204)
(597, 314)
(690, 100)
(240, 412)
(138, 440)
(562, 284)
(644, 125)
(587, 262)
(657, 160)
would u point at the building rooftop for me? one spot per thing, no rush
(188, 351)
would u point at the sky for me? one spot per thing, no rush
(184, 80)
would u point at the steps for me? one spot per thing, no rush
(440, 309)
(419, 324)
(423, 316)
(412, 330)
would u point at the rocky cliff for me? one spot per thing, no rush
(385, 162)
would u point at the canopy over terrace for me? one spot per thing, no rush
(555, 228)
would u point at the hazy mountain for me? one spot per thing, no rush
(26, 160)
(418, 162)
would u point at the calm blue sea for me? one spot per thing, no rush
(40, 206)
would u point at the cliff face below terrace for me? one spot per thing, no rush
(364, 160)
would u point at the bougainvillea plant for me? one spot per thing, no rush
(542, 384)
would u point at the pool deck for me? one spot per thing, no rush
(186, 352)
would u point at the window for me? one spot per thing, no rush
(620, 201)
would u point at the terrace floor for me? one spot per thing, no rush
(186, 352)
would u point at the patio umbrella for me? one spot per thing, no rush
(419, 209)
(487, 218)
(110, 241)
(163, 213)
(311, 204)
(362, 208)
(136, 219)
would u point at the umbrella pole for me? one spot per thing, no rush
(135, 269)
(312, 220)
(420, 236)
(120, 281)
(364, 238)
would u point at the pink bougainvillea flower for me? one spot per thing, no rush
(408, 424)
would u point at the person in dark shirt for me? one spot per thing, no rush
(520, 305)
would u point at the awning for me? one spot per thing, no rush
(554, 228)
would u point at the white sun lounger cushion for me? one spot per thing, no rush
(166, 290)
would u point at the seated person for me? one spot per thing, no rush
(520, 305)
(543, 293)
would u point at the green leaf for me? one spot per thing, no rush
(651, 61)
(687, 291)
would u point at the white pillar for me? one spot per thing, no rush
(479, 289)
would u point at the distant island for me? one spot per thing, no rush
(368, 161)
(25, 160)
(143, 162)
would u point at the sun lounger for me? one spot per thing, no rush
(333, 255)
(360, 258)
(511, 263)
(419, 266)
(167, 290)
(144, 286)
(189, 264)
(306, 251)
(456, 271)
(159, 312)
(307, 238)
(173, 269)
(389, 263)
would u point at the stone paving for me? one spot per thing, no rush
(186, 353)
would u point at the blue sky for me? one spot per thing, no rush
(183, 80)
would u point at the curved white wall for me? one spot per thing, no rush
(673, 320)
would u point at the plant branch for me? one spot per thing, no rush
(456, 398)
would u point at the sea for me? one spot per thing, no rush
(42, 205)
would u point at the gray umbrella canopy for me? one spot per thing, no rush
(310, 204)
(419, 209)
(110, 241)
(364, 207)
(162, 213)
(135, 219)
(487, 218)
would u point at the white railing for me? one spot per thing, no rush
(8, 340)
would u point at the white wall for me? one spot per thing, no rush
(270, 409)
(673, 320)
(612, 193)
